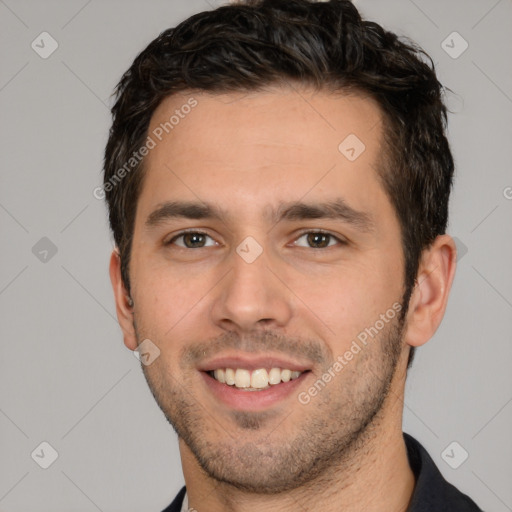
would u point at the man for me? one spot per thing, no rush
(278, 177)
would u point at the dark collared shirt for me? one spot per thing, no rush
(432, 493)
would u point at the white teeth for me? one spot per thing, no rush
(255, 380)
(259, 379)
(286, 375)
(230, 376)
(220, 375)
(274, 377)
(242, 378)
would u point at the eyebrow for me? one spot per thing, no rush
(337, 209)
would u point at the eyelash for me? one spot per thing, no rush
(315, 231)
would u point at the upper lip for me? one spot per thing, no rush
(251, 363)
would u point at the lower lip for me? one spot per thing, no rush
(252, 400)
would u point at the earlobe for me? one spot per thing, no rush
(124, 302)
(430, 295)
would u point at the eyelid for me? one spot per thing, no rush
(338, 238)
(184, 232)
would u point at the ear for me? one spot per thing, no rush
(430, 295)
(122, 298)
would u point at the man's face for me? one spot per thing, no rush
(270, 282)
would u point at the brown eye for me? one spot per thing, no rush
(191, 240)
(318, 240)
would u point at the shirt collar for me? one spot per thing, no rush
(432, 491)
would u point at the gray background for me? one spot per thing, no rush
(66, 377)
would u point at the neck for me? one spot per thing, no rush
(375, 476)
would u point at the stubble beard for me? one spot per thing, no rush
(250, 452)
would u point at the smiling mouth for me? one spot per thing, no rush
(255, 380)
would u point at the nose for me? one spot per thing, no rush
(252, 296)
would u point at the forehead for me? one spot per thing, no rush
(287, 119)
(245, 149)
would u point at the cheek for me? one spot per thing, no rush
(347, 301)
(168, 301)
